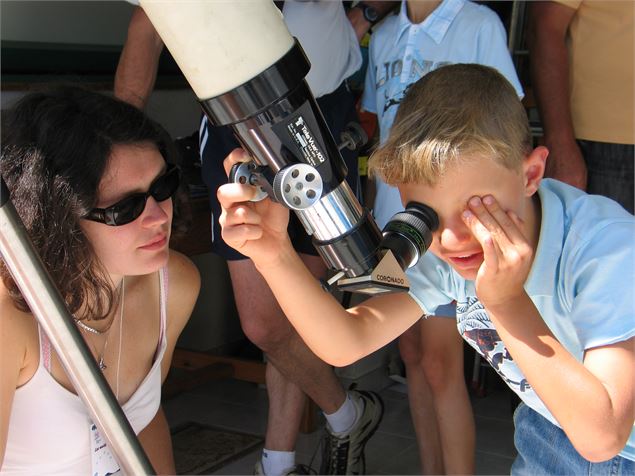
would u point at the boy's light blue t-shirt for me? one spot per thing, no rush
(401, 52)
(581, 281)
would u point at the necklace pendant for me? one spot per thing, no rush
(101, 364)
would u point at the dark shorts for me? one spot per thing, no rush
(338, 109)
(610, 170)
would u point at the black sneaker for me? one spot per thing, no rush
(344, 454)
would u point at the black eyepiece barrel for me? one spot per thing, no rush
(409, 233)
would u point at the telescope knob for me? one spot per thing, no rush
(298, 186)
(247, 173)
(353, 137)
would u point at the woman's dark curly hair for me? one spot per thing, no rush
(55, 147)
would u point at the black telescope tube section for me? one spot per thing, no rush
(355, 251)
(277, 119)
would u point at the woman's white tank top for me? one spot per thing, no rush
(49, 427)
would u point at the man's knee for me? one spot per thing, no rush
(266, 331)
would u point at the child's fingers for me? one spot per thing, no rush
(241, 214)
(516, 219)
(508, 226)
(235, 156)
(230, 194)
(483, 215)
(238, 236)
(491, 250)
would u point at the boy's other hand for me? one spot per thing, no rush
(256, 229)
(507, 253)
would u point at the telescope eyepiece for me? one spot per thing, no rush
(408, 234)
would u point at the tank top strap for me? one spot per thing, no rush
(163, 303)
(45, 349)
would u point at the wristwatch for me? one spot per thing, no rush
(370, 13)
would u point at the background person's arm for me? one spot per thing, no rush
(547, 32)
(139, 61)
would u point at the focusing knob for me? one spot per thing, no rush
(353, 137)
(298, 186)
(246, 173)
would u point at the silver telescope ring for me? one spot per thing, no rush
(334, 215)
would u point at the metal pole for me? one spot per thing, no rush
(49, 309)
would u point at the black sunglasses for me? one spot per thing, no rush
(130, 208)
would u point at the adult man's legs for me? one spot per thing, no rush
(292, 368)
(264, 323)
(432, 350)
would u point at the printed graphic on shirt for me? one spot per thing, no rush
(477, 329)
(393, 78)
(102, 460)
(393, 71)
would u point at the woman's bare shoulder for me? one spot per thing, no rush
(185, 283)
(18, 338)
(184, 275)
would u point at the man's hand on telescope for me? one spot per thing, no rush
(256, 229)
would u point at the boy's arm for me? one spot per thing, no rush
(339, 337)
(593, 400)
(549, 60)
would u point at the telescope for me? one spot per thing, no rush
(248, 73)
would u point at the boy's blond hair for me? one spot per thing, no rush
(454, 113)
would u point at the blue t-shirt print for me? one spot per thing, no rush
(476, 328)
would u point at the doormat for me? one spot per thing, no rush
(202, 449)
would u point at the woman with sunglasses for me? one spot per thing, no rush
(91, 178)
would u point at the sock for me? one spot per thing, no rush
(277, 463)
(345, 417)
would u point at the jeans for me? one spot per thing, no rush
(610, 170)
(543, 448)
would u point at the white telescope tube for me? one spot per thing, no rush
(220, 44)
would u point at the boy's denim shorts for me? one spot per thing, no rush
(543, 448)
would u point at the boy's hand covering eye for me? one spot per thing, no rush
(256, 229)
(507, 253)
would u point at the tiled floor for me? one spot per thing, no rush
(242, 406)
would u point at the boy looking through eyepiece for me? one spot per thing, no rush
(542, 273)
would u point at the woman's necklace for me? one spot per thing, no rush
(100, 362)
(91, 329)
